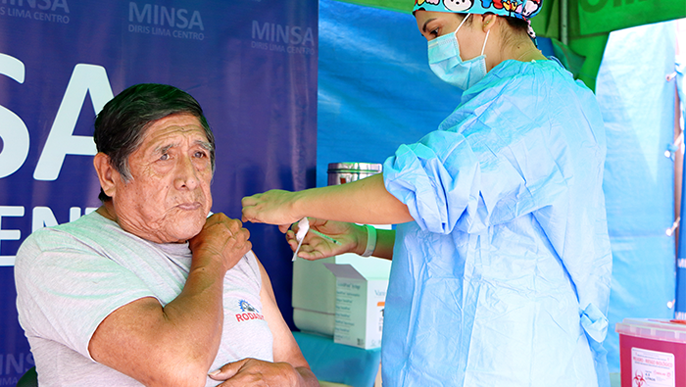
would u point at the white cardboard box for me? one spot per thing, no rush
(360, 306)
(314, 288)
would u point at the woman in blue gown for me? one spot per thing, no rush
(501, 260)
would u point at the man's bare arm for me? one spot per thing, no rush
(176, 344)
(289, 369)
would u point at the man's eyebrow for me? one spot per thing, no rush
(427, 22)
(205, 145)
(164, 149)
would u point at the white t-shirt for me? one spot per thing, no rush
(70, 277)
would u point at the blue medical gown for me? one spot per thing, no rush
(503, 279)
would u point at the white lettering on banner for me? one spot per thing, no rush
(139, 29)
(14, 137)
(188, 35)
(51, 17)
(44, 217)
(161, 15)
(285, 34)
(42, 4)
(270, 36)
(46, 10)
(36, 15)
(42, 10)
(40, 217)
(19, 13)
(15, 363)
(10, 235)
(9, 381)
(59, 4)
(13, 131)
(61, 141)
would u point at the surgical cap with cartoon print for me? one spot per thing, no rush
(521, 9)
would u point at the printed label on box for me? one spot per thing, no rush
(652, 368)
(359, 307)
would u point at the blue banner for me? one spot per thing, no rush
(251, 64)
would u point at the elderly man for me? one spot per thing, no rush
(147, 290)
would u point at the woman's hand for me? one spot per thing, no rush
(272, 207)
(351, 238)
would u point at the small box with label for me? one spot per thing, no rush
(652, 352)
(359, 307)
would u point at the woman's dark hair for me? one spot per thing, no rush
(516, 24)
(120, 126)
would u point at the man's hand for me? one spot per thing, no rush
(223, 239)
(253, 372)
(272, 207)
(352, 239)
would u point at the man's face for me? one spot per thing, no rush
(168, 196)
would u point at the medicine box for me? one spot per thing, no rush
(314, 288)
(314, 296)
(360, 305)
(652, 353)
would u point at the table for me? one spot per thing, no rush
(339, 363)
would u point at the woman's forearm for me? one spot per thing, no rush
(361, 201)
(384, 243)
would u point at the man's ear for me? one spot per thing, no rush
(106, 173)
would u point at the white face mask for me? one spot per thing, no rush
(446, 63)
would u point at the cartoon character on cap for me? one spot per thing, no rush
(458, 5)
(530, 8)
(419, 3)
(521, 9)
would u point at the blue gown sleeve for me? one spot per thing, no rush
(482, 171)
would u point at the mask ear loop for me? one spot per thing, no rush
(485, 40)
(463, 20)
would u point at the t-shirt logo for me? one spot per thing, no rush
(246, 307)
(249, 312)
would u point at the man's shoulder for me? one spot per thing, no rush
(81, 233)
(87, 224)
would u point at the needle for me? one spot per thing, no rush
(328, 238)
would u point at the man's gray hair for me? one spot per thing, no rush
(120, 126)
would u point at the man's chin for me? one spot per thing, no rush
(179, 237)
(185, 231)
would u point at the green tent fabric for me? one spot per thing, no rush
(588, 25)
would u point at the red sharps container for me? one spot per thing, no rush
(652, 353)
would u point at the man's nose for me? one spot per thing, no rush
(186, 174)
